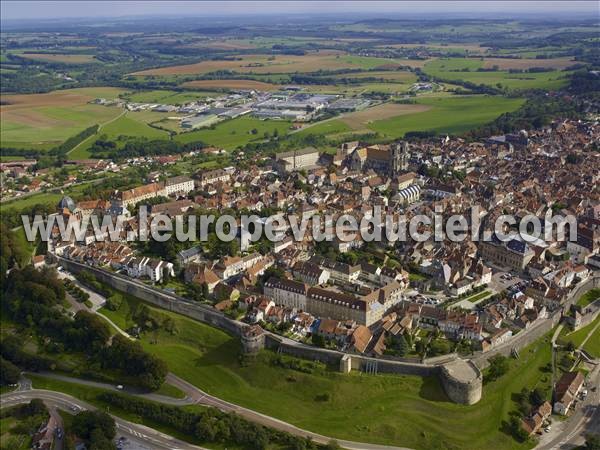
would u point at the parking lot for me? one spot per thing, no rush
(502, 281)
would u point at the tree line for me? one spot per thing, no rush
(211, 425)
(31, 298)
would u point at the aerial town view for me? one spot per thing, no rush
(300, 225)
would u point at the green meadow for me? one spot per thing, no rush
(387, 409)
(233, 133)
(448, 115)
(462, 69)
(46, 127)
(592, 345)
(168, 96)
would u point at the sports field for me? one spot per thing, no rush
(387, 409)
(45, 120)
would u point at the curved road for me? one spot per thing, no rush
(133, 431)
(195, 396)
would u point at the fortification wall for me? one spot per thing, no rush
(592, 282)
(528, 337)
(456, 389)
(163, 300)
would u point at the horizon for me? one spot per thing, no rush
(42, 11)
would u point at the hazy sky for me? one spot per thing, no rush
(23, 9)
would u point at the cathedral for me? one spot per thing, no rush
(389, 159)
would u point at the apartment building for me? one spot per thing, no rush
(180, 185)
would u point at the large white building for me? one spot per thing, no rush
(288, 293)
(297, 159)
(152, 268)
(180, 185)
(332, 304)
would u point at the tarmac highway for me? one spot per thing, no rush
(193, 395)
(152, 438)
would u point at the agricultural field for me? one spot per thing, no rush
(359, 119)
(402, 76)
(60, 58)
(126, 125)
(230, 84)
(167, 96)
(442, 114)
(462, 69)
(353, 90)
(528, 63)
(233, 133)
(447, 115)
(387, 409)
(44, 120)
(450, 47)
(264, 64)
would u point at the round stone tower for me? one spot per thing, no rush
(253, 339)
(462, 381)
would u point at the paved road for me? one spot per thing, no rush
(585, 419)
(58, 441)
(152, 438)
(204, 398)
(193, 395)
(126, 390)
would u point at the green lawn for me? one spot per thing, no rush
(233, 133)
(589, 297)
(454, 114)
(132, 126)
(577, 337)
(46, 198)
(477, 296)
(592, 346)
(387, 409)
